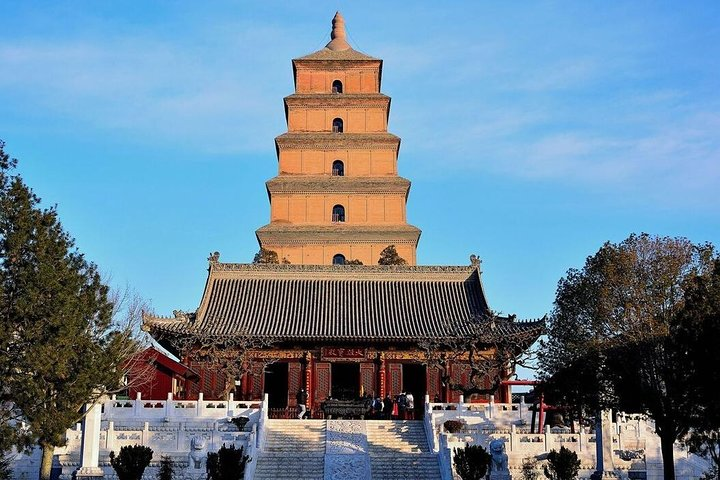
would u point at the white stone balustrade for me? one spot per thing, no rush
(634, 445)
(167, 426)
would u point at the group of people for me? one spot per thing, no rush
(400, 407)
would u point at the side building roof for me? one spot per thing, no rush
(336, 303)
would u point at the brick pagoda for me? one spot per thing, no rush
(338, 196)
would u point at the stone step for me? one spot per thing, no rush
(396, 450)
(403, 436)
(289, 466)
(419, 467)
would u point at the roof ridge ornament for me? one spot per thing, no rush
(338, 35)
(214, 258)
(475, 260)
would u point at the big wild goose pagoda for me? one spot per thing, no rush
(336, 329)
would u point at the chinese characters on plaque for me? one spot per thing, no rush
(342, 353)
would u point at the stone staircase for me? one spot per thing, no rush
(294, 450)
(398, 450)
(304, 450)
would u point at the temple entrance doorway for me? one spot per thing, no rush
(414, 379)
(345, 381)
(276, 384)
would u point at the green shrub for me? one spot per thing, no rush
(131, 462)
(452, 426)
(529, 469)
(471, 463)
(5, 470)
(167, 468)
(562, 465)
(227, 463)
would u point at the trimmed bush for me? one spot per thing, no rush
(131, 462)
(452, 426)
(530, 469)
(472, 462)
(562, 465)
(167, 468)
(227, 464)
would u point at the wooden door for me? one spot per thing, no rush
(460, 376)
(367, 379)
(295, 382)
(323, 381)
(433, 383)
(394, 386)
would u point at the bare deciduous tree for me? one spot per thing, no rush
(489, 346)
(228, 355)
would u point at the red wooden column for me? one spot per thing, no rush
(433, 382)
(382, 375)
(309, 366)
(245, 390)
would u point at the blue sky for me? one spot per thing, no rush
(532, 132)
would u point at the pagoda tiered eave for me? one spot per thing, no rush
(277, 233)
(347, 100)
(334, 141)
(334, 184)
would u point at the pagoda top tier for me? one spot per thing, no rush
(337, 48)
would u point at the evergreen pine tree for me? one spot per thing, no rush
(59, 348)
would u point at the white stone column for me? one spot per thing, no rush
(604, 467)
(90, 449)
(138, 406)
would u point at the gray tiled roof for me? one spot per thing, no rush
(330, 303)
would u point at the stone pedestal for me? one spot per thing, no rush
(89, 472)
(500, 476)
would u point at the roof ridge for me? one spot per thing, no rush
(281, 267)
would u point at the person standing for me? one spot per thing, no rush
(378, 408)
(402, 405)
(388, 407)
(302, 397)
(410, 405)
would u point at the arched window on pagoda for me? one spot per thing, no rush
(338, 213)
(337, 87)
(338, 168)
(339, 259)
(337, 125)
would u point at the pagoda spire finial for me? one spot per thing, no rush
(338, 36)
